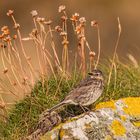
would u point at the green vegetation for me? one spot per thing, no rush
(23, 117)
(25, 113)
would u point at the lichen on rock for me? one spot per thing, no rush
(118, 120)
(118, 128)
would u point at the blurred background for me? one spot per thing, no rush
(104, 11)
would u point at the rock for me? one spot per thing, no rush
(46, 122)
(119, 120)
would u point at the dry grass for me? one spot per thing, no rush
(18, 68)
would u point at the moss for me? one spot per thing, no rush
(117, 128)
(133, 106)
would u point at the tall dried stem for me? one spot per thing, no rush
(32, 71)
(6, 71)
(83, 61)
(57, 62)
(99, 46)
(65, 42)
(115, 51)
(15, 50)
(12, 66)
(91, 60)
(34, 35)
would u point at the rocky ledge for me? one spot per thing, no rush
(119, 120)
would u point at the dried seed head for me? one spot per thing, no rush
(76, 14)
(5, 30)
(2, 45)
(40, 19)
(5, 70)
(94, 23)
(14, 36)
(2, 36)
(64, 18)
(34, 13)
(78, 29)
(7, 39)
(61, 8)
(10, 12)
(92, 54)
(48, 22)
(81, 36)
(63, 33)
(14, 83)
(28, 58)
(2, 105)
(24, 80)
(65, 42)
(34, 33)
(58, 28)
(17, 26)
(23, 83)
(75, 17)
(82, 20)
